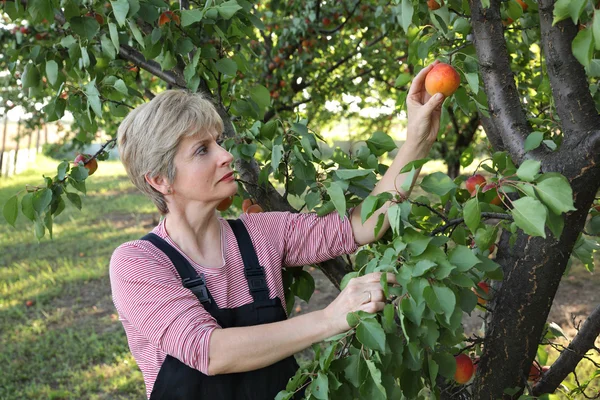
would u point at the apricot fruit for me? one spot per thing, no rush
(442, 78)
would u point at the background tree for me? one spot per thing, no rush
(272, 66)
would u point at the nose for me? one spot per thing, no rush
(225, 158)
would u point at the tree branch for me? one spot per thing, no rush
(457, 221)
(172, 78)
(570, 89)
(506, 112)
(571, 356)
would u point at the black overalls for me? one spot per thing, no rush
(177, 381)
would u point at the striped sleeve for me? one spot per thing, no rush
(153, 300)
(304, 238)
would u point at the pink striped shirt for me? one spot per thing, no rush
(161, 317)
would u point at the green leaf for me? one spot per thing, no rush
(408, 180)
(414, 165)
(42, 199)
(406, 14)
(319, 388)
(188, 17)
(228, 9)
(380, 143)
(583, 47)
(114, 35)
(338, 199)
(568, 8)
(389, 311)
(422, 267)
(447, 364)
(74, 199)
(121, 86)
(38, 228)
(596, 30)
(370, 333)
(347, 174)
(11, 210)
(394, 214)
(533, 141)
(378, 391)
(530, 216)
(438, 183)
(40, 10)
(62, 169)
(108, 49)
(259, 94)
(27, 206)
(137, 34)
(446, 298)
(305, 286)
(120, 9)
(226, 66)
(557, 194)
(30, 77)
(528, 170)
(463, 258)
(368, 207)
(85, 27)
(472, 214)
(473, 81)
(51, 71)
(276, 156)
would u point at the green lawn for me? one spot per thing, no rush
(69, 344)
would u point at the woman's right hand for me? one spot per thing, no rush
(364, 293)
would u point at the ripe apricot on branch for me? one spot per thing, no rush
(442, 78)
(434, 4)
(225, 203)
(464, 369)
(91, 166)
(254, 208)
(246, 204)
(473, 182)
(485, 287)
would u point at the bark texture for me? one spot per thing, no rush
(533, 267)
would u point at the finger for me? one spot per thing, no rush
(418, 83)
(376, 277)
(434, 103)
(372, 307)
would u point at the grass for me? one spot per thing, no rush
(69, 344)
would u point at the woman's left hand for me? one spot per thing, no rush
(424, 112)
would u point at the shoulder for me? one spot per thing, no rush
(137, 256)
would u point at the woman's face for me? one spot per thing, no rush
(203, 171)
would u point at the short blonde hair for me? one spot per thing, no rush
(148, 138)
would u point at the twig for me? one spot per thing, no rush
(456, 221)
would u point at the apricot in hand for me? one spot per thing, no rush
(442, 78)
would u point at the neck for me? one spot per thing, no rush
(195, 232)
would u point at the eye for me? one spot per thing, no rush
(220, 141)
(200, 150)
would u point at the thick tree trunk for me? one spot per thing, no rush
(533, 267)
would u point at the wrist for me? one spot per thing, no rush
(417, 149)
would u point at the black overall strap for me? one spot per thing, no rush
(190, 278)
(255, 273)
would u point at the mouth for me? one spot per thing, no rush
(227, 177)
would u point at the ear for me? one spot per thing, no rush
(159, 183)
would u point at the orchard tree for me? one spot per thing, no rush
(527, 72)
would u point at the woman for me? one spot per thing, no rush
(200, 298)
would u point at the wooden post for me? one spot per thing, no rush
(45, 133)
(37, 140)
(4, 134)
(29, 137)
(18, 138)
